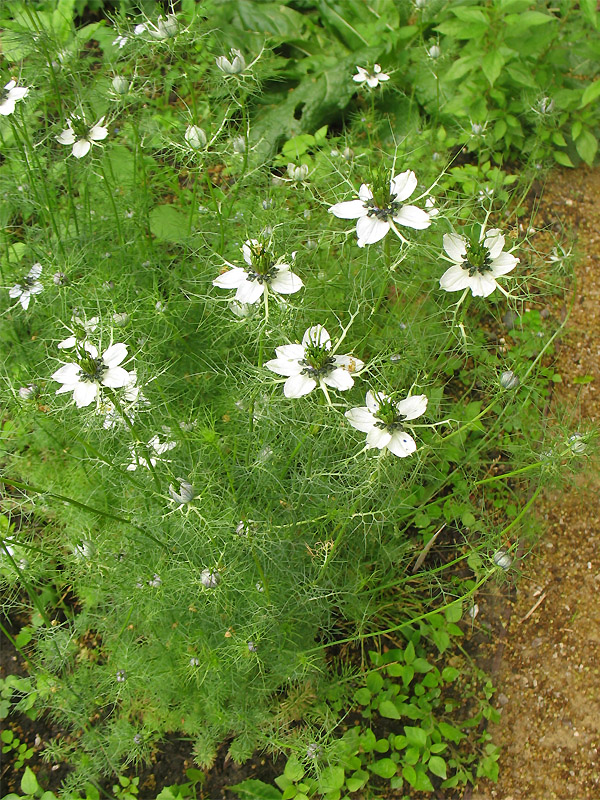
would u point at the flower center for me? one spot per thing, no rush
(263, 268)
(28, 282)
(477, 258)
(317, 362)
(389, 417)
(92, 369)
(383, 212)
(80, 128)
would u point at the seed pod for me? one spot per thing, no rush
(502, 559)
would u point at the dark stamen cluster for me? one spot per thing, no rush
(477, 259)
(93, 369)
(318, 370)
(80, 128)
(389, 417)
(382, 213)
(265, 275)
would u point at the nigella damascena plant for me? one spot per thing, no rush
(380, 208)
(186, 492)
(372, 79)
(152, 454)
(261, 274)
(476, 262)
(313, 363)
(29, 285)
(166, 27)
(195, 137)
(384, 421)
(80, 329)
(86, 376)
(81, 135)
(233, 65)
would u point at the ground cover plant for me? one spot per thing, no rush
(270, 336)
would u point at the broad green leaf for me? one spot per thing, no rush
(410, 774)
(463, 30)
(470, 14)
(409, 653)
(450, 673)
(450, 732)
(453, 613)
(388, 709)
(587, 145)
(385, 767)
(416, 736)
(374, 682)
(169, 224)
(492, 65)
(437, 765)
(357, 780)
(293, 769)
(590, 93)
(461, 67)
(29, 783)
(256, 790)
(362, 696)
(562, 158)
(62, 19)
(590, 13)
(559, 139)
(583, 379)
(422, 782)
(331, 779)
(576, 129)
(528, 19)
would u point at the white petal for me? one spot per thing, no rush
(298, 386)
(372, 81)
(91, 349)
(352, 364)
(351, 209)
(455, 278)
(413, 217)
(36, 288)
(247, 247)
(67, 137)
(371, 230)
(494, 241)
(284, 366)
(503, 264)
(455, 246)
(115, 354)
(383, 76)
(482, 284)
(339, 379)
(25, 299)
(374, 400)
(294, 352)
(115, 378)
(84, 393)
(231, 279)
(7, 107)
(361, 419)
(81, 148)
(412, 407)
(71, 341)
(15, 291)
(11, 84)
(403, 185)
(98, 132)
(364, 193)
(401, 444)
(318, 336)
(378, 437)
(250, 292)
(286, 282)
(35, 271)
(68, 373)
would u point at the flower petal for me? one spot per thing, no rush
(98, 132)
(339, 379)
(284, 366)
(351, 209)
(378, 437)
(231, 279)
(286, 282)
(71, 341)
(298, 385)
(67, 137)
(401, 444)
(455, 278)
(318, 336)
(482, 284)
(370, 230)
(364, 193)
(352, 364)
(455, 246)
(294, 352)
(503, 264)
(361, 419)
(115, 354)
(81, 148)
(494, 241)
(412, 407)
(374, 400)
(404, 184)
(36, 270)
(115, 378)
(250, 292)
(15, 291)
(25, 299)
(413, 217)
(84, 393)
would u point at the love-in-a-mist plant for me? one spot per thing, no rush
(229, 430)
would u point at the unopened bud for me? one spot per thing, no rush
(508, 380)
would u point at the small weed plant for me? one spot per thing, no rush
(273, 368)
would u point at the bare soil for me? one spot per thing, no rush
(548, 677)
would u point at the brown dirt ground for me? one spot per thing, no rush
(549, 674)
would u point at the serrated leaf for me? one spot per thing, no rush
(388, 709)
(385, 767)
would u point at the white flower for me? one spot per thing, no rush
(195, 137)
(434, 51)
(372, 79)
(383, 421)
(312, 364)
(297, 172)
(154, 449)
(261, 273)
(120, 84)
(210, 578)
(131, 396)
(186, 492)
(86, 376)
(9, 97)
(28, 286)
(165, 28)
(233, 67)
(376, 217)
(476, 264)
(81, 135)
(120, 42)
(81, 329)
